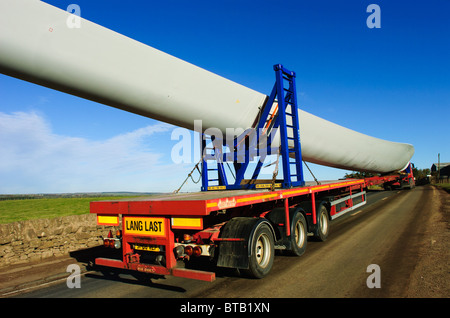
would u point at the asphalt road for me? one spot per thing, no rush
(385, 232)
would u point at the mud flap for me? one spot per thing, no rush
(234, 253)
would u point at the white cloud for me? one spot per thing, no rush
(33, 159)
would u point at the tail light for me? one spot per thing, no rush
(197, 251)
(185, 251)
(112, 243)
(179, 251)
(188, 250)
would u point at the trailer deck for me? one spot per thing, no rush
(203, 203)
(157, 225)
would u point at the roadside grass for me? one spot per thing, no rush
(445, 186)
(21, 210)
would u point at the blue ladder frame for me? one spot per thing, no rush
(285, 120)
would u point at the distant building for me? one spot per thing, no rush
(444, 171)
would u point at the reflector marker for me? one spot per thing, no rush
(187, 223)
(111, 220)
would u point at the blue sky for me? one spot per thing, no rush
(392, 83)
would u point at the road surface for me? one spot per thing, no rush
(385, 234)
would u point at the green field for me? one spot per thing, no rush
(21, 210)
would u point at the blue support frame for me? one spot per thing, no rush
(285, 120)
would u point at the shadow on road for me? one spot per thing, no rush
(87, 257)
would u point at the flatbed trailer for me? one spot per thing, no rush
(166, 234)
(235, 225)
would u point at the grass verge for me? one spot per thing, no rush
(445, 186)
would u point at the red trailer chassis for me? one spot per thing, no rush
(162, 234)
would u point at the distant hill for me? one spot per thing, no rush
(72, 195)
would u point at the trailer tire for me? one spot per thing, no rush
(322, 227)
(298, 234)
(262, 251)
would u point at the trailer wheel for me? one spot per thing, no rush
(322, 226)
(298, 234)
(262, 252)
